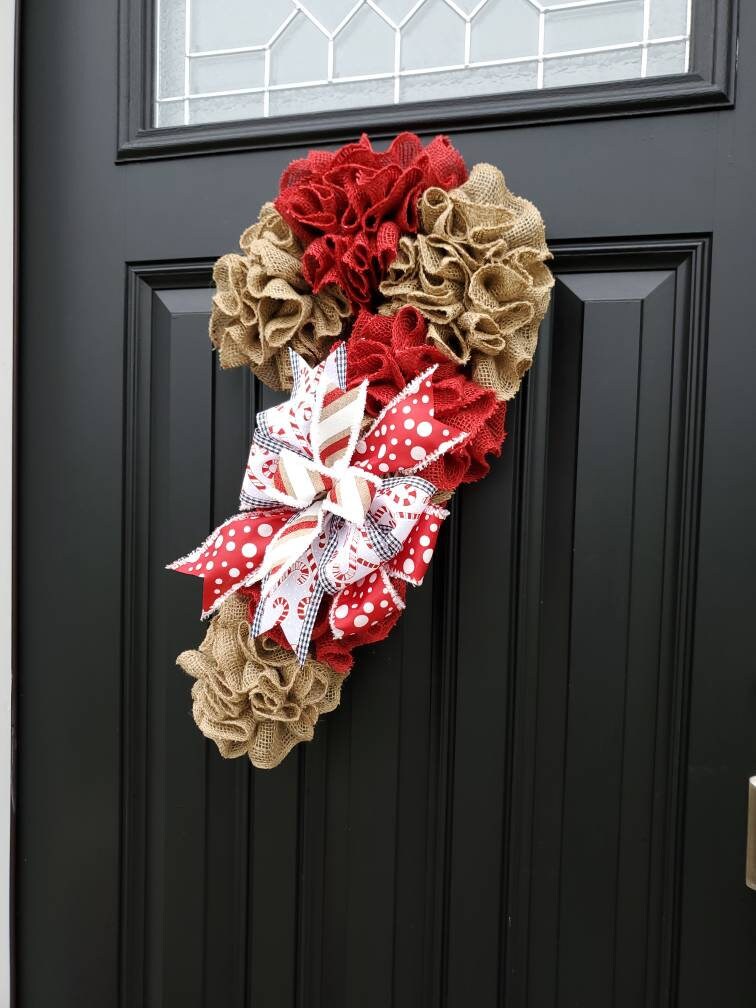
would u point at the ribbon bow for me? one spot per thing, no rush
(329, 507)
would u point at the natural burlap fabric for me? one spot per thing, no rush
(476, 270)
(263, 305)
(250, 696)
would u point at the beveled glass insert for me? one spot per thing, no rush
(220, 60)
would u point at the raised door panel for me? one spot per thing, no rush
(313, 881)
(610, 499)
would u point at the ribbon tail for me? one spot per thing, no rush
(305, 635)
(292, 604)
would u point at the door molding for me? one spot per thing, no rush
(161, 297)
(144, 281)
(667, 292)
(709, 84)
(8, 246)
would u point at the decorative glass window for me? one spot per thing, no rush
(239, 59)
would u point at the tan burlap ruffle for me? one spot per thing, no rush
(476, 271)
(250, 696)
(262, 304)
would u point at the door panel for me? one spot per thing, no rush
(228, 872)
(533, 793)
(602, 726)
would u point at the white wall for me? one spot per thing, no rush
(7, 47)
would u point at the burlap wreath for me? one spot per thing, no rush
(263, 305)
(250, 696)
(476, 271)
(365, 233)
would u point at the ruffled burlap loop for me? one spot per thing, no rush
(250, 696)
(477, 272)
(450, 340)
(442, 263)
(463, 215)
(263, 305)
(270, 265)
(483, 333)
(498, 291)
(428, 277)
(273, 229)
(435, 207)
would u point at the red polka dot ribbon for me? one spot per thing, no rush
(229, 558)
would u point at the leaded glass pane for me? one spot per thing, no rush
(237, 59)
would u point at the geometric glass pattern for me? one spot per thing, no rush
(219, 60)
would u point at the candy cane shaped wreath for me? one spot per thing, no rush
(398, 298)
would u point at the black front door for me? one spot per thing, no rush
(534, 792)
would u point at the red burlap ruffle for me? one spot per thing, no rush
(336, 653)
(349, 207)
(389, 351)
